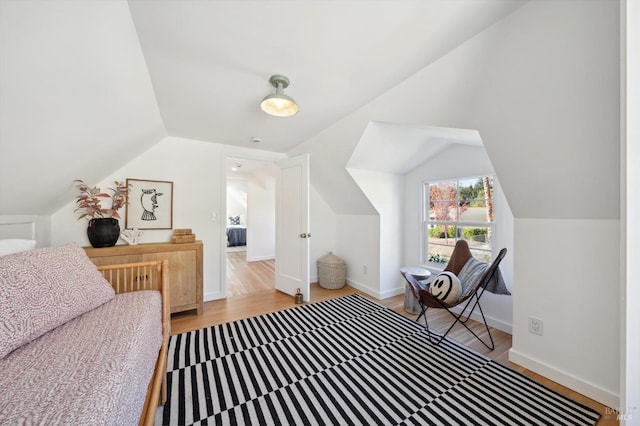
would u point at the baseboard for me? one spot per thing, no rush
(363, 288)
(392, 292)
(590, 390)
(213, 296)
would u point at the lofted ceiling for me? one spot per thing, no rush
(86, 86)
(210, 61)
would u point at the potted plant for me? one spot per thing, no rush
(103, 229)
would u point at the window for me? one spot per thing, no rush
(458, 209)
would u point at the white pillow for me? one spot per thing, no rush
(10, 246)
(446, 287)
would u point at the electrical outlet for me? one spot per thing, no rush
(536, 326)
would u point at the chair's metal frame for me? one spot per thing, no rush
(426, 300)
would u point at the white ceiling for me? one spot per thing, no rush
(241, 167)
(210, 61)
(85, 86)
(398, 149)
(95, 83)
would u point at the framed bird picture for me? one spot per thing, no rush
(149, 204)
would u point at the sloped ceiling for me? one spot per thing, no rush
(85, 86)
(392, 148)
(210, 61)
(83, 89)
(541, 87)
(76, 101)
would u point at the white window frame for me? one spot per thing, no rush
(426, 221)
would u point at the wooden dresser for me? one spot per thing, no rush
(185, 268)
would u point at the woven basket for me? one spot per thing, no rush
(332, 272)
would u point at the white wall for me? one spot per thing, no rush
(499, 308)
(194, 168)
(462, 161)
(568, 276)
(27, 227)
(547, 106)
(237, 199)
(358, 243)
(261, 211)
(323, 224)
(385, 191)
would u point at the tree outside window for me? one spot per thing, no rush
(459, 209)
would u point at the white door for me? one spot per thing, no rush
(292, 226)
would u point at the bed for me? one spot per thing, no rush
(39, 385)
(236, 235)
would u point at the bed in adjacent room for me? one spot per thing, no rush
(236, 233)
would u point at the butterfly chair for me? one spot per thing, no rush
(470, 297)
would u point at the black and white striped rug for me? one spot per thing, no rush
(346, 361)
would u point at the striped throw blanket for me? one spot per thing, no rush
(472, 272)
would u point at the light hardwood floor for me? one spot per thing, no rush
(248, 277)
(257, 301)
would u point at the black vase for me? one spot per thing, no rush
(103, 232)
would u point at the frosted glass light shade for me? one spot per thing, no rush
(278, 103)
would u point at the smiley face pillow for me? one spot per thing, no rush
(446, 287)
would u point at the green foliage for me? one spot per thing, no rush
(436, 258)
(472, 192)
(475, 234)
(438, 232)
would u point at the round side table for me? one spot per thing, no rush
(411, 305)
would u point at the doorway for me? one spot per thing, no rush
(250, 226)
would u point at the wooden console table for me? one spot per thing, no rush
(185, 268)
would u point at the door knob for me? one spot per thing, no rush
(303, 235)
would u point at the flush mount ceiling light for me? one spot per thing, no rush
(278, 103)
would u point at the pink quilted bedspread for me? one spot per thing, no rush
(93, 369)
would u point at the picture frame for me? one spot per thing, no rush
(149, 204)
